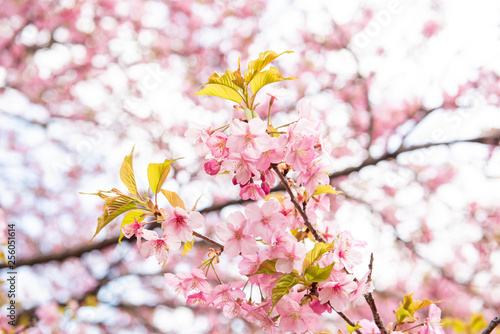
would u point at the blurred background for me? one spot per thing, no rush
(408, 92)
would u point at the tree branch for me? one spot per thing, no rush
(308, 224)
(494, 323)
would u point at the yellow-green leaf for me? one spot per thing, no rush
(225, 86)
(221, 91)
(407, 309)
(262, 79)
(317, 274)
(326, 189)
(157, 174)
(353, 328)
(266, 267)
(173, 198)
(129, 219)
(457, 324)
(257, 65)
(113, 207)
(477, 322)
(283, 286)
(188, 245)
(316, 253)
(127, 173)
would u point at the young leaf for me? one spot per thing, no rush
(326, 189)
(173, 198)
(262, 79)
(316, 253)
(353, 328)
(127, 173)
(283, 286)
(157, 174)
(129, 219)
(188, 245)
(224, 86)
(457, 324)
(266, 267)
(317, 274)
(407, 309)
(114, 207)
(476, 322)
(2, 258)
(257, 65)
(250, 114)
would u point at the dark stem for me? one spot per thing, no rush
(371, 302)
(346, 319)
(209, 240)
(495, 322)
(308, 224)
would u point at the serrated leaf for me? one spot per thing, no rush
(317, 274)
(316, 253)
(113, 207)
(264, 78)
(129, 219)
(353, 328)
(257, 65)
(225, 86)
(157, 174)
(326, 189)
(266, 267)
(283, 286)
(127, 173)
(173, 198)
(188, 245)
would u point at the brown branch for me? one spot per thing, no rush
(308, 224)
(77, 252)
(371, 302)
(494, 323)
(209, 240)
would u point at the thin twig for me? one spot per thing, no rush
(494, 323)
(308, 224)
(371, 302)
(207, 239)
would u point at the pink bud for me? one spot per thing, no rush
(212, 167)
(266, 187)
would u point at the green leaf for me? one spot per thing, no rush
(266, 267)
(157, 174)
(127, 173)
(257, 65)
(114, 206)
(403, 315)
(173, 198)
(316, 253)
(188, 245)
(129, 219)
(326, 189)
(353, 328)
(262, 79)
(250, 114)
(283, 286)
(225, 86)
(317, 274)
(407, 309)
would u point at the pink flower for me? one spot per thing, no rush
(345, 254)
(294, 317)
(195, 280)
(337, 292)
(248, 136)
(217, 144)
(274, 153)
(198, 298)
(242, 165)
(228, 296)
(300, 154)
(368, 327)
(198, 135)
(266, 220)
(49, 315)
(252, 191)
(136, 229)
(432, 325)
(290, 255)
(158, 246)
(363, 288)
(179, 224)
(313, 176)
(236, 235)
